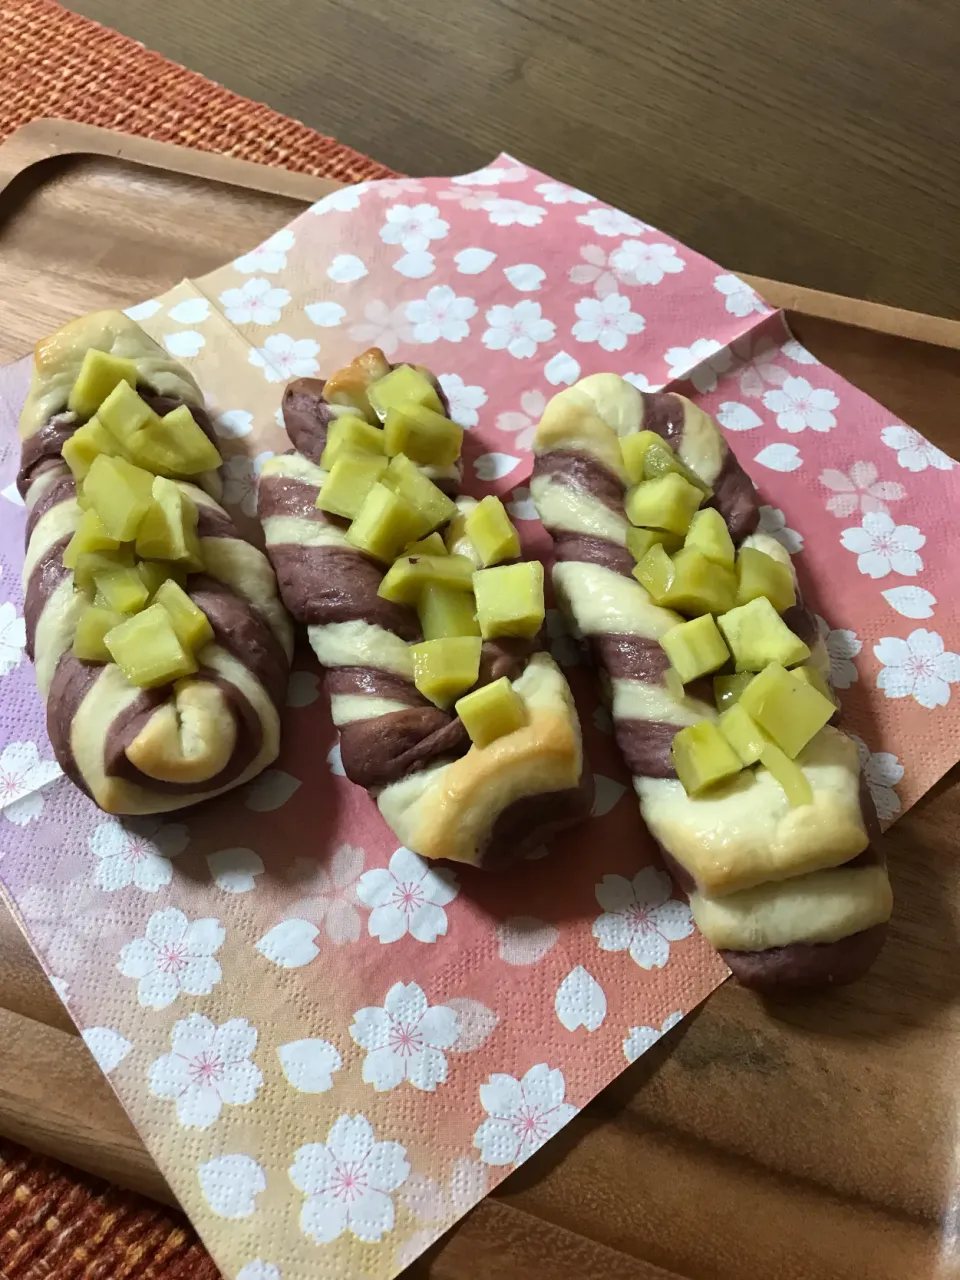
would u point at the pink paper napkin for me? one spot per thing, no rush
(331, 1048)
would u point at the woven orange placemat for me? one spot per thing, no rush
(55, 1223)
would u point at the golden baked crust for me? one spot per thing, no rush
(450, 811)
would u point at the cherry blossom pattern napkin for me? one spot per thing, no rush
(331, 1048)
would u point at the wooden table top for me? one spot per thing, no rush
(814, 142)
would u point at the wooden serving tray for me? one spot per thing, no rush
(758, 1141)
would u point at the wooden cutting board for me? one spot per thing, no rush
(757, 1141)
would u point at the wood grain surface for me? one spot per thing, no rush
(814, 1140)
(812, 142)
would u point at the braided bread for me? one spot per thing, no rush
(441, 797)
(133, 750)
(791, 897)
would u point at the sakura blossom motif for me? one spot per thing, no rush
(290, 944)
(405, 1039)
(642, 382)
(883, 547)
(595, 270)
(464, 400)
(310, 1064)
(343, 201)
(526, 277)
(522, 1114)
(235, 870)
(143, 310)
(329, 892)
(439, 1203)
(335, 762)
(799, 405)
(184, 344)
(562, 368)
(612, 222)
(524, 940)
(209, 1067)
(491, 175)
(241, 476)
(12, 495)
(271, 790)
(413, 227)
(136, 851)
(108, 1047)
(919, 667)
(382, 327)
(282, 357)
(173, 956)
(738, 298)
(521, 505)
(637, 262)
(882, 771)
(257, 301)
(523, 421)
(780, 457)
(563, 648)
(773, 522)
(23, 776)
(346, 268)
(794, 351)
(474, 261)
(61, 922)
(842, 647)
(493, 466)
(389, 188)
(409, 896)
(348, 1181)
(475, 1023)
(233, 424)
(441, 315)
(761, 370)
(914, 453)
(417, 265)
(860, 490)
(608, 321)
(271, 256)
(607, 792)
(190, 311)
(702, 362)
(231, 1184)
(738, 417)
(641, 917)
(513, 213)
(910, 602)
(640, 1039)
(62, 987)
(560, 193)
(580, 1001)
(325, 315)
(517, 329)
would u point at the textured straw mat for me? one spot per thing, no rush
(57, 1224)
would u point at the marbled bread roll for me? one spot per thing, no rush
(133, 750)
(441, 796)
(791, 897)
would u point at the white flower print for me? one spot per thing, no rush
(343, 201)
(524, 421)
(642, 382)
(184, 344)
(136, 851)
(520, 504)
(560, 193)
(329, 892)
(61, 923)
(405, 1039)
(208, 1066)
(62, 987)
(231, 1184)
(408, 896)
(269, 257)
(637, 262)
(794, 351)
(914, 453)
(761, 370)
(232, 424)
(259, 1270)
(413, 227)
(173, 956)
(522, 1114)
(641, 917)
(512, 213)
(464, 400)
(440, 1203)
(257, 301)
(842, 647)
(517, 329)
(282, 357)
(388, 188)
(612, 222)
(607, 321)
(860, 490)
(441, 314)
(492, 175)
(881, 771)
(347, 1181)
(595, 270)
(702, 362)
(640, 1039)
(917, 668)
(883, 547)
(240, 477)
(798, 405)
(774, 522)
(383, 327)
(22, 776)
(739, 298)
(563, 647)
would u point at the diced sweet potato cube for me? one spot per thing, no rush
(99, 374)
(432, 545)
(403, 385)
(708, 534)
(633, 450)
(90, 563)
(491, 531)
(120, 493)
(169, 529)
(147, 651)
(407, 576)
(760, 575)
(787, 710)
(349, 481)
(743, 733)
(727, 689)
(443, 669)
(510, 599)
(189, 621)
(423, 435)
(660, 460)
(86, 444)
(639, 541)
(92, 625)
(665, 503)
(123, 412)
(789, 774)
(154, 573)
(386, 523)
(405, 478)
(350, 434)
(695, 648)
(700, 585)
(173, 445)
(121, 590)
(702, 757)
(446, 611)
(655, 574)
(756, 635)
(90, 535)
(491, 712)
